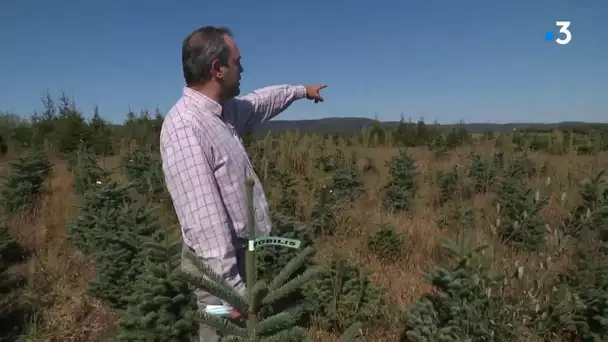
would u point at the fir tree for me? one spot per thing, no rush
(401, 188)
(86, 171)
(14, 311)
(119, 255)
(257, 324)
(482, 173)
(347, 185)
(322, 218)
(162, 307)
(24, 183)
(144, 171)
(465, 305)
(343, 295)
(519, 223)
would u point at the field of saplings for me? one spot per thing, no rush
(416, 234)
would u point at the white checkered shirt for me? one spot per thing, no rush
(205, 166)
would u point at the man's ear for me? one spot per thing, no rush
(216, 69)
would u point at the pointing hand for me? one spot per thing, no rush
(312, 92)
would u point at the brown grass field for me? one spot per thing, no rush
(57, 274)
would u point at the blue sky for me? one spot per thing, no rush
(444, 60)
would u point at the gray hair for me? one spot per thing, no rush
(200, 49)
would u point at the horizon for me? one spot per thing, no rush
(477, 62)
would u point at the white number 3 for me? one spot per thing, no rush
(563, 28)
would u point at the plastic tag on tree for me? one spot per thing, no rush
(218, 310)
(273, 240)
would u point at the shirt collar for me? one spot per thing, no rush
(202, 103)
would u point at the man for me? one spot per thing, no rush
(204, 161)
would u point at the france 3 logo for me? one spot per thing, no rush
(563, 36)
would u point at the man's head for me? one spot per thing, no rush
(211, 60)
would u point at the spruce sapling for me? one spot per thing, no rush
(259, 325)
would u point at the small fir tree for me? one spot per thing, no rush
(162, 307)
(257, 324)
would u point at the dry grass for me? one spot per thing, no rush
(58, 275)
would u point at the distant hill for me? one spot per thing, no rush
(352, 125)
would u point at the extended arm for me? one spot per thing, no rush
(262, 105)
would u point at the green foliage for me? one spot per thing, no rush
(144, 171)
(119, 254)
(100, 135)
(118, 235)
(386, 243)
(70, 126)
(457, 136)
(401, 188)
(24, 183)
(110, 228)
(594, 195)
(522, 167)
(343, 295)
(3, 146)
(439, 146)
(589, 280)
(409, 134)
(322, 218)
(14, 311)
(288, 197)
(10, 252)
(259, 325)
(377, 132)
(322, 161)
(452, 186)
(61, 125)
(98, 213)
(347, 185)
(457, 215)
(498, 160)
(518, 209)
(577, 308)
(553, 314)
(162, 307)
(143, 128)
(482, 172)
(465, 305)
(272, 259)
(86, 171)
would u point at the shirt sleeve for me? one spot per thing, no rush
(261, 105)
(189, 178)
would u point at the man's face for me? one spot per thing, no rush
(231, 80)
